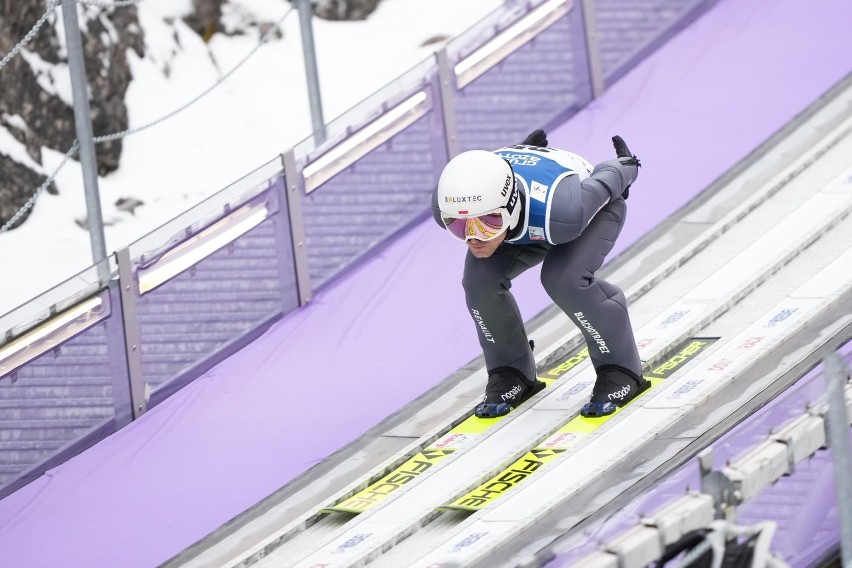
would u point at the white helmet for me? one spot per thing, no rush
(478, 183)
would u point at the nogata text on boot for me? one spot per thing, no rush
(614, 387)
(507, 388)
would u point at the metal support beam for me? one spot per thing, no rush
(311, 72)
(593, 52)
(836, 376)
(293, 180)
(446, 85)
(132, 343)
(718, 486)
(83, 122)
(122, 398)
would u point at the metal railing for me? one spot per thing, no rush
(86, 357)
(728, 483)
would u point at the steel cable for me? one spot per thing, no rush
(124, 133)
(51, 6)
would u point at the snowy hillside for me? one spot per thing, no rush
(258, 112)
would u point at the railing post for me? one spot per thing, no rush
(293, 184)
(836, 374)
(132, 336)
(446, 88)
(121, 396)
(593, 53)
(311, 73)
(290, 298)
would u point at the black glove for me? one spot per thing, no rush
(622, 151)
(625, 157)
(536, 138)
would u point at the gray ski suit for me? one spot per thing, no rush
(571, 218)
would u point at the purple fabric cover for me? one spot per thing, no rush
(804, 508)
(397, 325)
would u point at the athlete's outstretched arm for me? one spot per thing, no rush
(616, 176)
(576, 202)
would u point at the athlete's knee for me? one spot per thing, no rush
(481, 283)
(564, 285)
(613, 293)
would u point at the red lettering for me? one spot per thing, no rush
(751, 342)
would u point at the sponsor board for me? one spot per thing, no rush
(567, 436)
(423, 462)
(351, 543)
(739, 352)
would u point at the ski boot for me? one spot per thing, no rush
(507, 388)
(614, 387)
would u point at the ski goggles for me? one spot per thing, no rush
(483, 227)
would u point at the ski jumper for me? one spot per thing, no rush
(570, 220)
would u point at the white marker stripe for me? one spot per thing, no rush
(805, 223)
(737, 354)
(827, 279)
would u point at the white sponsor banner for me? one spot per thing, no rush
(467, 545)
(349, 547)
(734, 356)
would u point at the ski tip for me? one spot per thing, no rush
(336, 510)
(492, 410)
(598, 409)
(456, 508)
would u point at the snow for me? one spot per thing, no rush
(246, 121)
(16, 121)
(14, 149)
(51, 77)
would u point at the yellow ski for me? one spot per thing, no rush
(567, 436)
(422, 463)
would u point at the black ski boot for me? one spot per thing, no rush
(614, 387)
(507, 388)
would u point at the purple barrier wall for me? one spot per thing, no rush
(78, 391)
